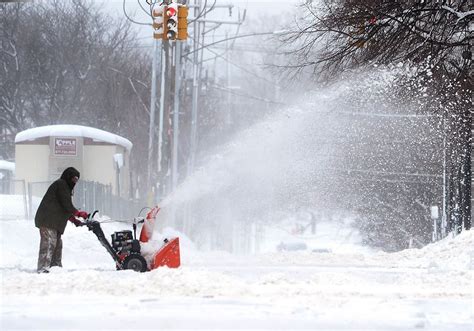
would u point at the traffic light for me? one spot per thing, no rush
(182, 22)
(171, 21)
(158, 21)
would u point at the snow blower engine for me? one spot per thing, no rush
(126, 249)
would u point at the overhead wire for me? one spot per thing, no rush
(210, 9)
(144, 9)
(237, 65)
(232, 38)
(129, 18)
(228, 50)
(202, 13)
(248, 96)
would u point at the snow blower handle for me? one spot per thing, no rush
(91, 216)
(89, 219)
(139, 220)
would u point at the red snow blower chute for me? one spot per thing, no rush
(126, 249)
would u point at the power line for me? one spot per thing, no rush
(146, 12)
(244, 95)
(130, 19)
(239, 67)
(232, 38)
(203, 11)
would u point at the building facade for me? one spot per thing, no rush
(42, 154)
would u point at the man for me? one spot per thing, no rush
(54, 211)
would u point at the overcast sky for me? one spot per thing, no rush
(273, 6)
(253, 7)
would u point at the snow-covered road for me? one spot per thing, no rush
(429, 289)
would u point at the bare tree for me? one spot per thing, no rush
(11, 114)
(68, 62)
(347, 33)
(435, 37)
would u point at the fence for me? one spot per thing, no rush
(20, 201)
(13, 199)
(90, 196)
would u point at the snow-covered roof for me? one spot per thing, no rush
(5, 165)
(72, 131)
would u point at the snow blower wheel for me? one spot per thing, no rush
(125, 248)
(135, 262)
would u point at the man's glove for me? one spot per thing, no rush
(80, 213)
(74, 220)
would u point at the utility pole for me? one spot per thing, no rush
(162, 106)
(466, 171)
(199, 32)
(227, 67)
(195, 93)
(167, 31)
(151, 132)
(169, 23)
(174, 157)
(444, 216)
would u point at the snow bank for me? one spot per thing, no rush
(451, 253)
(73, 131)
(336, 289)
(15, 207)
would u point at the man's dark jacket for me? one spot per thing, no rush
(56, 206)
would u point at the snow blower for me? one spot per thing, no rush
(126, 249)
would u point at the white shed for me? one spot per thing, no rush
(42, 154)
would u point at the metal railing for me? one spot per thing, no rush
(19, 200)
(91, 196)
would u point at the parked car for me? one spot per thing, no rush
(292, 246)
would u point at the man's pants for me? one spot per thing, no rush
(50, 251)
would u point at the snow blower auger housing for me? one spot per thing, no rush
(126, 249)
